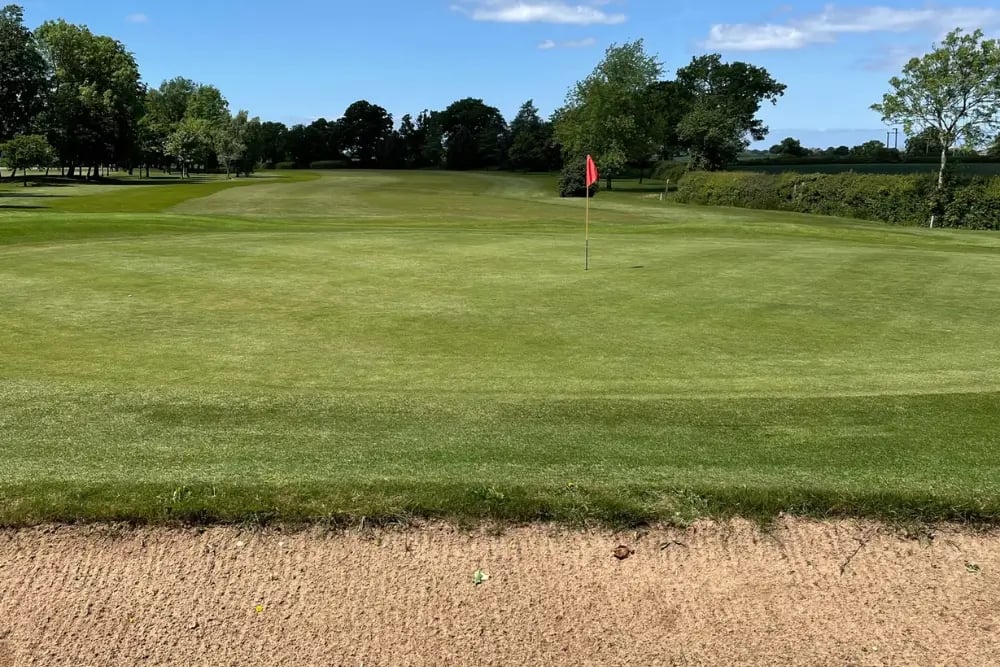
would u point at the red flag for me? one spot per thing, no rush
(592, 175)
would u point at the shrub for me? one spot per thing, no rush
(896, 199)
(670, 170)
(573, 180)
(286, 165)
(974, 206)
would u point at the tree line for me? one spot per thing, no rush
(74, 99)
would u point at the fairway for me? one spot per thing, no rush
(375, 344)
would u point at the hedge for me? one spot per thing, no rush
(904, 199)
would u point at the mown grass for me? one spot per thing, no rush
(394, 345)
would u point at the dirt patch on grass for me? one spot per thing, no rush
(808, 593)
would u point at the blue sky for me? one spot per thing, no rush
(296, 61)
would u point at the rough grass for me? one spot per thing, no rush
(390, 345)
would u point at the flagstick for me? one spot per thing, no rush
(586, 233)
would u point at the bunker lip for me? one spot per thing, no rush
(799, 592)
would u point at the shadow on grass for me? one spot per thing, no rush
(20, 207)
(17, 194)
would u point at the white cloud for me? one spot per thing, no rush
(827, 25)
(138, 17)
(539, 11)
(570, 44)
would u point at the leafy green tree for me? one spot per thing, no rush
(532, 147)
(190, 143)
(253, 138)
(230, 140)
(390, 152)
(924, 143)
(22, 74)
(724, 101)
(207, 103)
(27, 150)
(430, 132)
(462, 152)
(273, 143)
(362, 129)
(95, 98)
(608, 115)
(789, 147)
(954, 89)
(484, 129)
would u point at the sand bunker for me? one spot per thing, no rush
(807, 593)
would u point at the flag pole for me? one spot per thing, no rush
(586, 232)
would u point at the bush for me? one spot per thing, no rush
(573, 180)
(974, 206)
(670, 170)
(330, 164)
(897, 199)
(286, 165)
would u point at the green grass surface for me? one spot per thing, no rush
(394, 344)
(965, 169)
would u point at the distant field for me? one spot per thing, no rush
(972, 169)
(390, 344)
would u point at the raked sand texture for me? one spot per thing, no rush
(801, 593)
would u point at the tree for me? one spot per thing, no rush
(362, 129)
(207, 103)
(484, 130)
(30, 150)
(724, 101)
(230, 140)
(95, 98)
(606, 115)
(273, 143)
(924, 143)
(531, 141)
(994, 149)
(871, 150)
(954, 89)
(189, 143)
(431, 133)
(461, 152)
(22, 74)
(789, 147)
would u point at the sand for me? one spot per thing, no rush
(802, 593)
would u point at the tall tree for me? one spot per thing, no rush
(430, 131)
(724, 101)
(607, 115)
(207, 103)
(362, 129)
(190, 143)
(22, 74)
(273, 143)
(531, 140)
(954, 89)
(95, 99)
(230, 140)
(484, 129)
